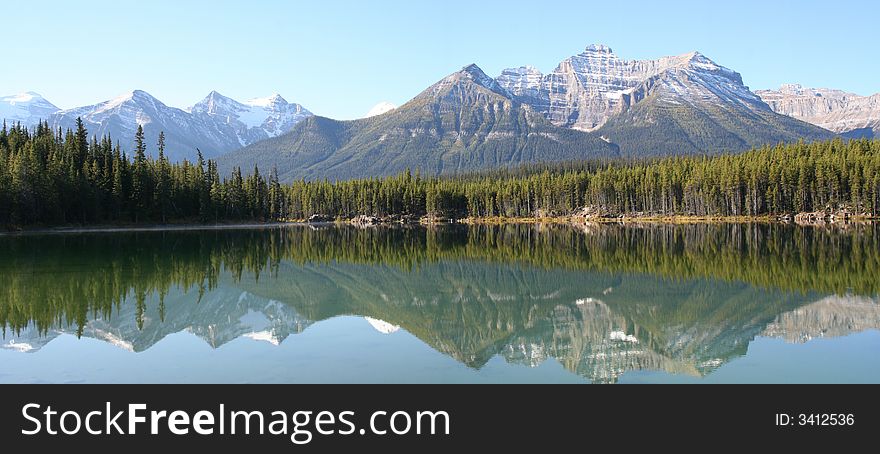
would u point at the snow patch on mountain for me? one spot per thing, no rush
(25, 108)
(380, 108)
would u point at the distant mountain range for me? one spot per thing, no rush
(592, 104)
(214, 125)
(845, 113)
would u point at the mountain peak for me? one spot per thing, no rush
(696, 56)
(598, 49)
(136, 96)
(24, 97)
(268, 101)
(475, 74)
(26, 108)
(212, 103)
(473, 70)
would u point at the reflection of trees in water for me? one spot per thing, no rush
(603, 300)
(62, 279)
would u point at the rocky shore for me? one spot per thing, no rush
(602, 214)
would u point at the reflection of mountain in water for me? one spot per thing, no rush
(220, 316)
(832, 316)
(597, 325)
(523, 295)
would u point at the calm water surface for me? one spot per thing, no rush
(517, 303)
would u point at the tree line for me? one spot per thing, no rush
(51, 177)
(55, 177)
(786, 178)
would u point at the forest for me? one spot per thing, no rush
(52, 178)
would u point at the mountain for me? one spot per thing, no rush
(215, 125)
(845, 113)
(673, 105)
(26, 108)
(466, 121)
(120, 116)
(251, 121)
(380, 108)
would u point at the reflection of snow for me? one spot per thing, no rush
(623, 337)
(620, 354)
(712, 363)
(582, 301)
(265, 336)
(18, 346)
(113, 339)
(382, 326)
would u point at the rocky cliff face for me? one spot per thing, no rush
(585, 90)
(835, 110)
(669, 106)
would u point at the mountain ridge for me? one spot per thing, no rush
(680, 104)
(214, 125)
(839, 111)
(465, 121)
(672, 105)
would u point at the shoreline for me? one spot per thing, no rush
(145, 228)
(673, 219)
(493, 220)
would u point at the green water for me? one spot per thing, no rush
(515, 303)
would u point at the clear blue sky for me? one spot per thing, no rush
(339, 58)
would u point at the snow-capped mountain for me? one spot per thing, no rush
(671, 105)
(249, 121)
(380, 108)
(585, 90)
(836, 110)
(214, 126)
(25, 108)
(119, 117)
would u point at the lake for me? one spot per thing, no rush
(597, 303)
